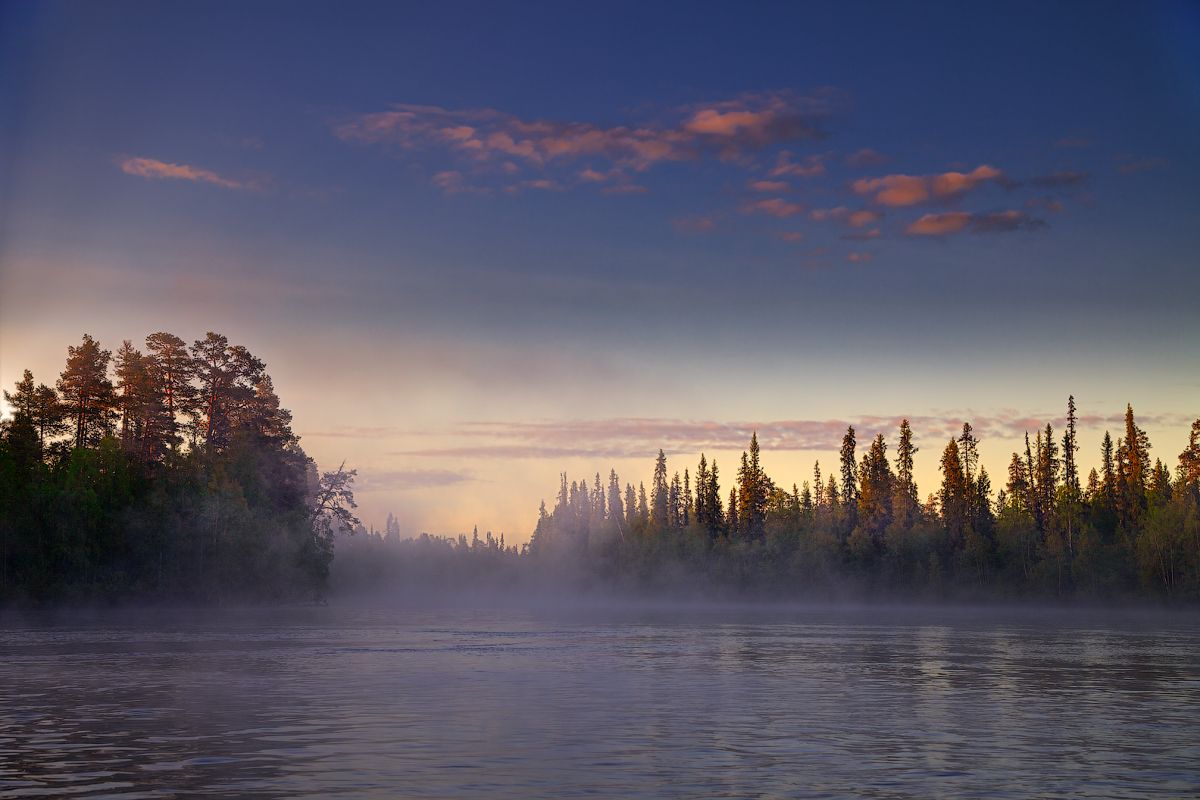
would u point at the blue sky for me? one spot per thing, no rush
(425, 218)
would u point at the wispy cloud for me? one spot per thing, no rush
(497, 143)
(909, 190)
(809, 167)
(768, 186)
(398, 480)
(155, 169)
(640, 437)
(950, 222)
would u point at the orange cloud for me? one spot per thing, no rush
(811, 167)
(940, 224)
(957, 221)
(153, 168)
(791, 236)
(859, 257)
(488, 139)
(775, 207)
(731, 123)
(908, 190)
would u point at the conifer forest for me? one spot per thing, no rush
(171, 471)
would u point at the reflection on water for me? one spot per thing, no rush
(680, 703)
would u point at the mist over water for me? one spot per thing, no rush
(621, 700)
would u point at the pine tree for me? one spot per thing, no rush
(227, 375)
(174, 370)
(643, 508)
(87, 391)
(24, 400)
(137, 397)
(39, 406)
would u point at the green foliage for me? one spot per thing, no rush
(122, 510)
(1043, 536)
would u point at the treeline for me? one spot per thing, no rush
(1128, 528)
(171, 472)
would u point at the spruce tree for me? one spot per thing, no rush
(702, 493)
(906, 486)
(849, 468)
(659, 493)
(1189, 459)
(953, 495)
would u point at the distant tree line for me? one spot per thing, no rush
(1128, 528)
(171, 472)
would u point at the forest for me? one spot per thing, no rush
(1128, 530)
(173, 473)
(176, 477)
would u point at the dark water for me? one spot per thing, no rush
(747, 702)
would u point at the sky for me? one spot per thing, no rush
(478, 244)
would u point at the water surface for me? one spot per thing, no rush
(622, 702)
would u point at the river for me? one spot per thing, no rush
(612, 702)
